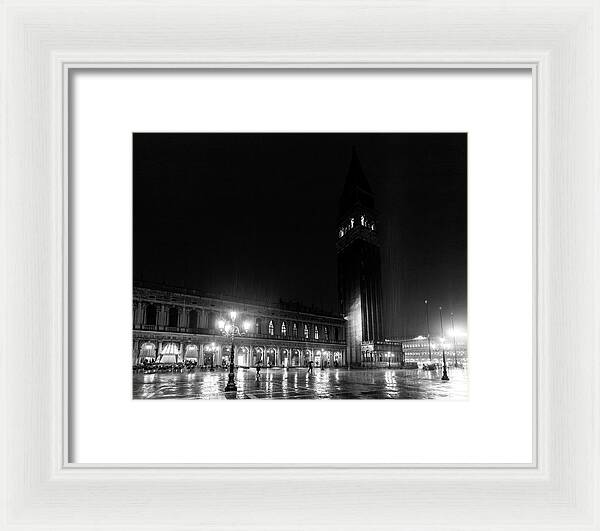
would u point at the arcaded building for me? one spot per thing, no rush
(175, 324)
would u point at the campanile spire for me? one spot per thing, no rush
(359, 262)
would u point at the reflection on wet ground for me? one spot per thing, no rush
(299, 383)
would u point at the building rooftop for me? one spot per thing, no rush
(293, 306)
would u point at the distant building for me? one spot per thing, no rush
(417, 350)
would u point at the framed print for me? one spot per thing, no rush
(300, 266)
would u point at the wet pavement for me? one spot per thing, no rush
(291, 383)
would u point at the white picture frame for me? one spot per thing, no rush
(557, 40)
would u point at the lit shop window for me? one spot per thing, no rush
(271, 328)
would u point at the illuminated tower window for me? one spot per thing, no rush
(362, 221)
(316, 332)
(271, 328)
(295, 330)
(351, 223)
(341, 233)
(283, 329)
(306, 331)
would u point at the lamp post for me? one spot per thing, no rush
(230, 329)
(427, 319)
(445, 374)
(454, 338)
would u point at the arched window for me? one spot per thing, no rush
(362, 221)
(326, 331)
(151, 314)
(283, 329)
(351, 223)
(316, 332)
(295, 330)
(257, 326)
(306, 331)
(271, 328)
(341, 233)
(173, 317)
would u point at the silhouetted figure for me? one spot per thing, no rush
(310, 367)
(258, 367)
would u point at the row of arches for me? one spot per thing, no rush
(216, 354)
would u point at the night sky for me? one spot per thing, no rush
(255, 216)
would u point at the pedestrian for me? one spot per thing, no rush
(310, 367)
(258, 370)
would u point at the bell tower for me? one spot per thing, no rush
(359, 263)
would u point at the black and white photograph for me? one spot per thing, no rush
(300, 266)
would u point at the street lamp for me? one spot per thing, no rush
(445, 374)
(427, 319)
(230, 329)
(454, 337)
